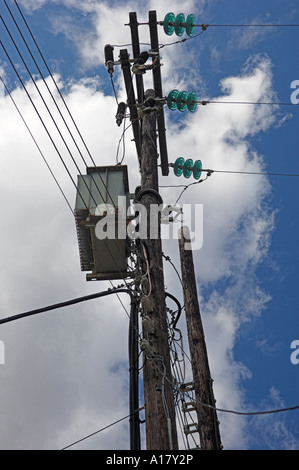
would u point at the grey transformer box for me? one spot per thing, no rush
(103, 191)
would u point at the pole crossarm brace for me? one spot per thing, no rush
(157, 81)
(126, 68)
(136, 53)
(159, 93)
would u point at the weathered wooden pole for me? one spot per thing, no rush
(208, 424)
(158, 385)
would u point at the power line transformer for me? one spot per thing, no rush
(101, 214)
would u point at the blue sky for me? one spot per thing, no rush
(247, 268)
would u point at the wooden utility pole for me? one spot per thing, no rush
(158, 389)
(208, 424)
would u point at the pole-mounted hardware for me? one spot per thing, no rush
(109, 58)
(121, 109)
(187, 168)
(178, 24)
(139, 66)
(182, 101)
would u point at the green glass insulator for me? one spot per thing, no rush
(192, 102)
(197, 168)
(190, 22)
(178, 166)
(168, 24)
(178, 24)
(172, 100)
(188, 168)
(182, 101)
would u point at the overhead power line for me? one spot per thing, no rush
(265, 25)
(256, 413)
(48, 89)
(253, 173)
(66, 304)
(55, 123)
(239, 413)
(37, 112)
(269, 103)
(36, 143)
(61, 95)
(97, 432)
(210, 172)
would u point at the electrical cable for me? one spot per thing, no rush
(52, 140)
(55, 146)
(55, 83)
(47, 107)
(35, 142)
(253, 173)
(249, 413)
(172, 297)
(97, 432)
(122, 139)
(254, 413)
(67, 304)
(210, 172)
(251, 25)
(240, 413)
(39, 115)
(60, 94)
(51, 94)
(60, 133)
(205, 102)
(114, 90)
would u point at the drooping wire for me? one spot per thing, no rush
(122, 140)
(97, 432)
(55, 83)
(39, 115)
(61, 96)
(210, 172)
(52, 140)
(114, 90)
(50, 92)
(79, 133)
(37, 145)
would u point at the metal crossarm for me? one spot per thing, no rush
(159, 93)
(126, 68)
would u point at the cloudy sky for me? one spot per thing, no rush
(66, 372)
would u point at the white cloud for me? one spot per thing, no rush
(81, 354)
(276, 433)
